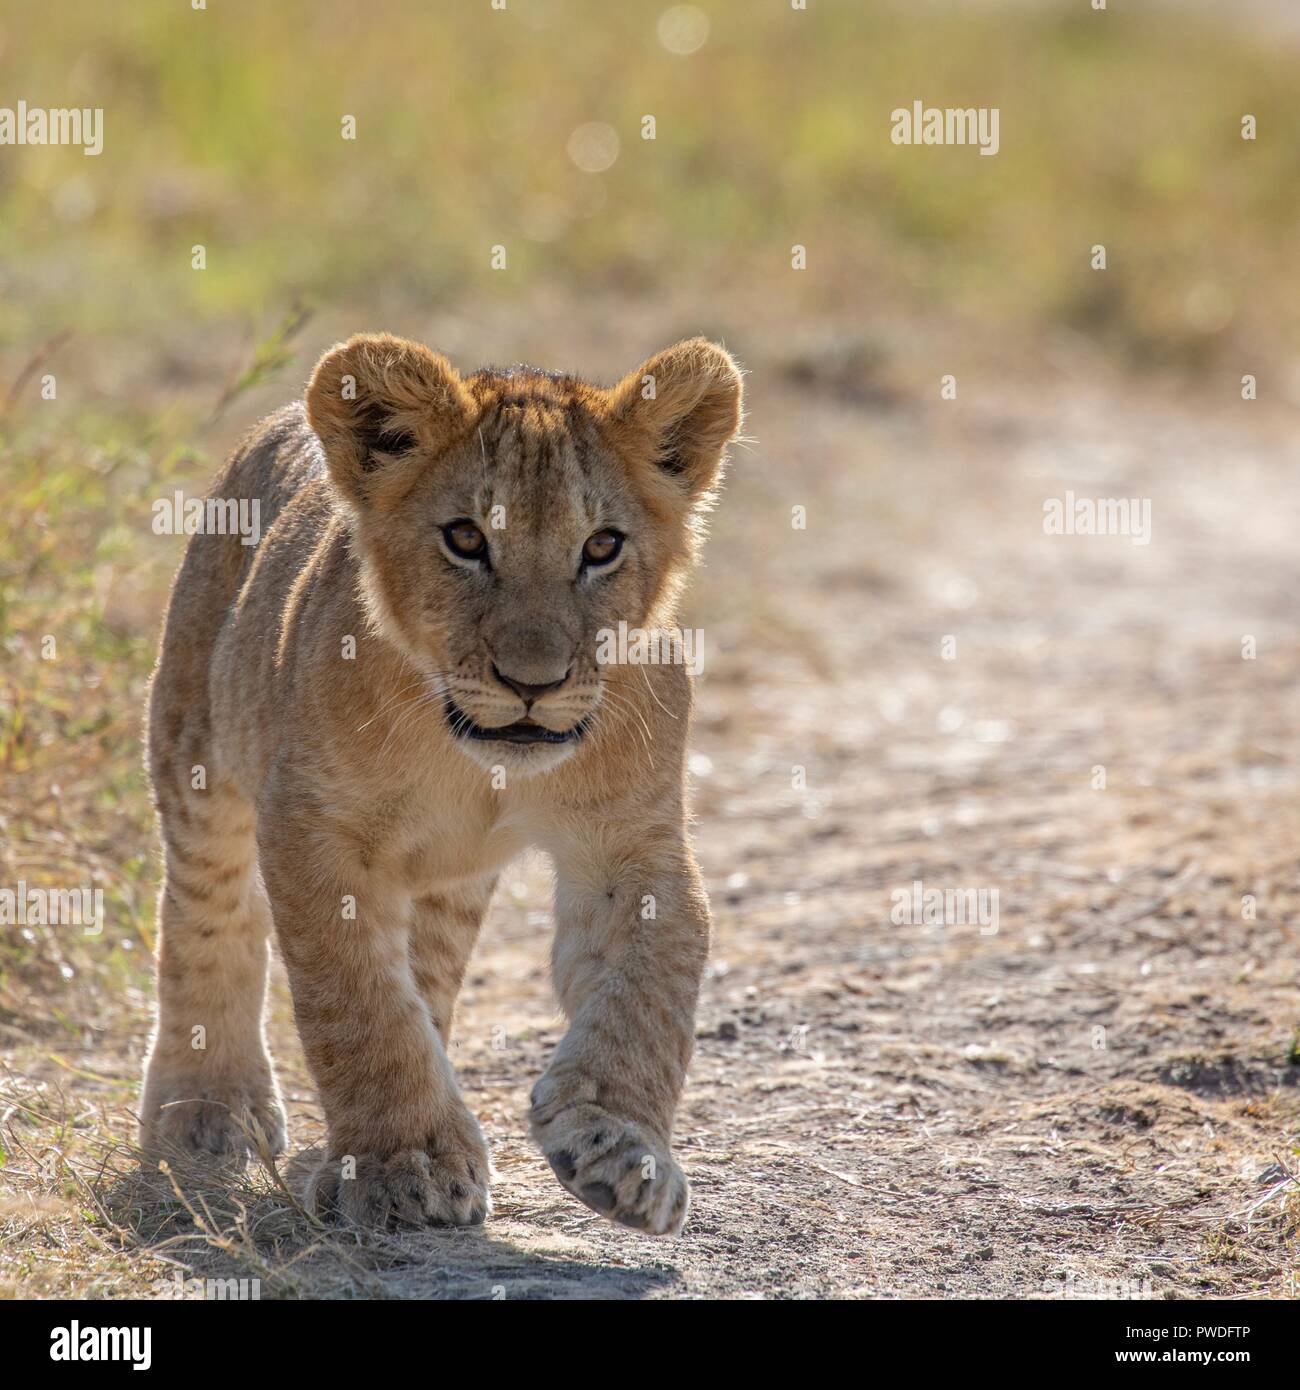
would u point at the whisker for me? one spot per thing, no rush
(413, 686)
(621, 704)
(646, 678)
(406, 713)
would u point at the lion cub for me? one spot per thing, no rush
(356, 722)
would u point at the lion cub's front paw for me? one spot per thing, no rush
(616, 1166)
(224, 1124)
(414, 1188)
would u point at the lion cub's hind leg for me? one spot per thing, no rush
(209, 1086)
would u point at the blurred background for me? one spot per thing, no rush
(500, 202)
(523, 127)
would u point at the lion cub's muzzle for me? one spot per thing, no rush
(530, 699)
(554, 712)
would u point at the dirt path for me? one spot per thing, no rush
(1081, 1100)
(1085, 1099)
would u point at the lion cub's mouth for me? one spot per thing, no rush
(522, 731)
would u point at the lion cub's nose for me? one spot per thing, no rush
(526, 691)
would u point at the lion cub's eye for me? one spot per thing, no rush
(465, 539)
(601, 548)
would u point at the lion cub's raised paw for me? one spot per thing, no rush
(414, 1188)
(615, 1166)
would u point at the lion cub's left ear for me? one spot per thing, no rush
(680, 410)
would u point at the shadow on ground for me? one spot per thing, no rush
(246, 1235)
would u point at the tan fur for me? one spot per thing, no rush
(338, 802)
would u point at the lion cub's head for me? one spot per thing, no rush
(505, 519)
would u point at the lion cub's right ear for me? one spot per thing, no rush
(376, 397)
